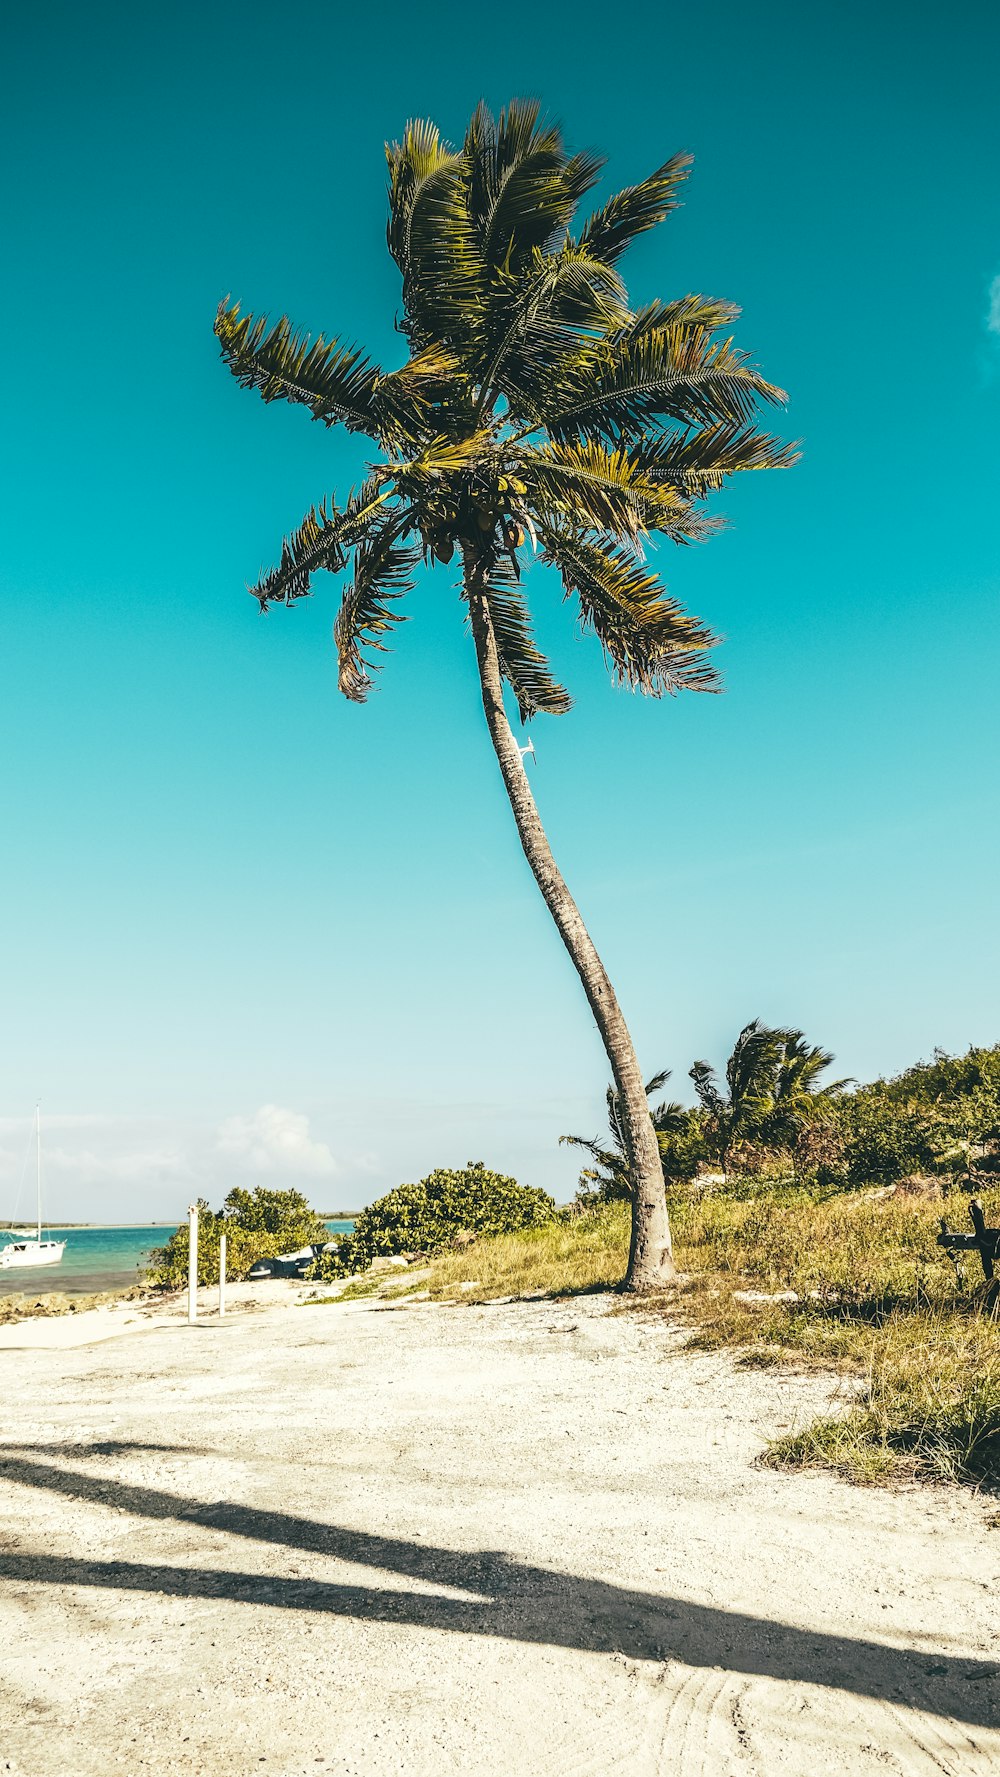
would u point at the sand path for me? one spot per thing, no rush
(523, 1539)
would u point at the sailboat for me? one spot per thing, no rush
(33, 1251)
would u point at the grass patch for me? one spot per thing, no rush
(930, 1410)
(875, 1297)
(564, 1258)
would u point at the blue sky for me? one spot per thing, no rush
(253, 932)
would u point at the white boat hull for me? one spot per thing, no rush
(31, 1252)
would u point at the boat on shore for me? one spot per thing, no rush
(31, 1250)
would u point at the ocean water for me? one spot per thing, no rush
(96, 1259)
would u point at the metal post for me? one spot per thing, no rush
(222, 1275)
(192, 1263)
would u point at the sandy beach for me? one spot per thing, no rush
(527, 1538)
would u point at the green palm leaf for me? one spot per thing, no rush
(524, 667)
(383, 573)
(322, 540)
(700, 461)
(443, 280)
(598, 489)
(337, 382)
(654, 645)
(522, 185)
(632, 211)
(669, 372)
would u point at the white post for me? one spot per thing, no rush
(222, 1275)
(192, 1263)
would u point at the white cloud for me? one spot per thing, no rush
(993, 312)
(274, 1140)
(139, 1166)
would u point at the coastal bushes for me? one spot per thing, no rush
(430, 1215)
(258, 1224)
(774, 1117)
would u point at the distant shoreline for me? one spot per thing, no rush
(5, 1228)
(345, 1215)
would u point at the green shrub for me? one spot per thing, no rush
(426, 1217)
(258, 1224)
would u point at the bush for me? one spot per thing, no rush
(257, 1224)
(426, 1217)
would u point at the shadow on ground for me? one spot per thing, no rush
(506, 1598)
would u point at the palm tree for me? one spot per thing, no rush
(610, 1173)
(772, 1088)
(751, 1075)
(535, 404)
(798, 1097)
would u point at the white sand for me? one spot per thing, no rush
(526, 1539)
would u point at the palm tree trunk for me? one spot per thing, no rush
(650, 1261)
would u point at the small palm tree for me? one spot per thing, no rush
(610, 1178)
(751, 1074)
(799, 1098)
(772, 1088)
(536, 407)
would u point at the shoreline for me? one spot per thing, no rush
(65, 1323)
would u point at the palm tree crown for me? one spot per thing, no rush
(772, 1087)
(610, 1171)
(535, 404)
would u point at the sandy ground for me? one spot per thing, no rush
(523, 1539)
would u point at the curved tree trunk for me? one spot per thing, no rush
(650, 1262)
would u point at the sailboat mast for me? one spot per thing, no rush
(38, 1166)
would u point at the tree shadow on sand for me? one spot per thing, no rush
(505, 1598)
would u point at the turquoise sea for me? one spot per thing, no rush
(97, 1259)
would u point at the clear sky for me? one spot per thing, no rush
(252, 932)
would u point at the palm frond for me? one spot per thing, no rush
(752, 1068)
(322, 540)
(702, 460)
(708, 1092)
(440, 458)
(669, 1117)
(672, 372)
(522, 185)
(411, 163)
(631, 212)
(383, 572)
(336, 381)
(409, 401)
(601, 489)
(654, 645)
(522, 664)
(656, 1082)
(537, 318)
(443, 278)
(614, 1105)
(705, 313)
(611, 1162)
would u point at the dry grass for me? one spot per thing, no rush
(561, 1259)
(929, 1409)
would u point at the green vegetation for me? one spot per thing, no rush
(538, 417)
(678, 1138)
(442, 1208)
(941, 1117)
(257, 1224)
(772, 1096)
